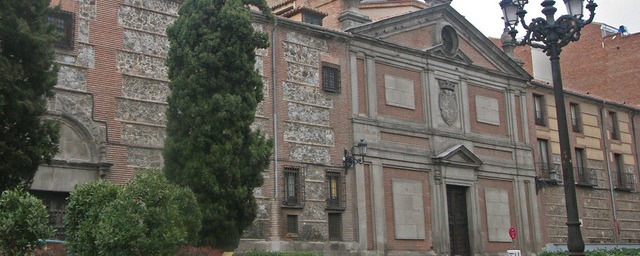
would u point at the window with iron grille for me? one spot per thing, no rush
(585, 175)
(335, 191)
(312, 18)
(56, 203)
(625, 180)
(292, 224)
(545, 167)
(330, 77)
(292, 187)
(335, 226)
(64, 24)
(615, 129)
(576, 123)
(539, 108)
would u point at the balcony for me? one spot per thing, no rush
(551, 173)
(586, 177)
(625, 182)
(548, 174)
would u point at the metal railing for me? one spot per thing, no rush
(586, 176)
(550, 172)
(625, 181)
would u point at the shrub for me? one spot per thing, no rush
(23, 220)
(261, 253)
(86, 206)
(613, 252)
(147, 216)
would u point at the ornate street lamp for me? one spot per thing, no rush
(350, 158)
(550, 35)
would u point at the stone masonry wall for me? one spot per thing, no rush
(145, 85)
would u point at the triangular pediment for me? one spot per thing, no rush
(423, 31)
(458, 155)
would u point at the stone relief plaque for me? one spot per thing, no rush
(448, 101)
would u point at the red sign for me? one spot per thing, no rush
(512, 233)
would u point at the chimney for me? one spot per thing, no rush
(352, 17)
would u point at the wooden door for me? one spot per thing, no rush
(458, 221)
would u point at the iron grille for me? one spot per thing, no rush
(63, 23)
(550, 172)
(330, 77)
(625, 182)
(293, 187)
(586, 176)
(335, 191)
(335, 226)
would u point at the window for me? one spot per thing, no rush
(56, 203)
(335, 199)
(63, 23)
(576, 123)
(615, 129)
(292, 187)
(539, 106)
(312, 18)
(625, 180)
(330, 77)
(335, 226)
(292, 224)
(586, 176)
(544, 164)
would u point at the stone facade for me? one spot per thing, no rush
(436, 120)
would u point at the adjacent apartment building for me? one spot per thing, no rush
(447, 116)
(601, 97)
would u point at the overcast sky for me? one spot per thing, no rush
(486, 14)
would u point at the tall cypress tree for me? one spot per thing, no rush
(215, 90)
(27, 77)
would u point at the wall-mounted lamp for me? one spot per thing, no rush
(350, 158)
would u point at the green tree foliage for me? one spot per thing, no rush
(215, 90)
(86, 205)
(23, 220)
(148, 216)
(27, 75)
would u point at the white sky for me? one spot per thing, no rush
(486, 14)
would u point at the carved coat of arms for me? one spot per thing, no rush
(448, 102)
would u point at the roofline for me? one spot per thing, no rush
(590, 97)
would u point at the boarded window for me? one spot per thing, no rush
(487, 110)
(399, 92)
(408, 210)
(498, 216)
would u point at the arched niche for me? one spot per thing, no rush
(78, 160)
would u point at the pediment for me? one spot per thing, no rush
(458, 155)
(423, 31)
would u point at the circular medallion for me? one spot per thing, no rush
(449, 39)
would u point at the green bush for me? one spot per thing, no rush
(613, 252)
(23, 220)
(147, 216)
(261, 253)
(86, 206)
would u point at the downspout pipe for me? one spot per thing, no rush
(635, 138)
(608, 160)
(274, 95)
(274, 81)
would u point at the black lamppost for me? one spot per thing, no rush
(350, 157)
(550, 35)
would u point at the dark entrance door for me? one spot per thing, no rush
(458, 221)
